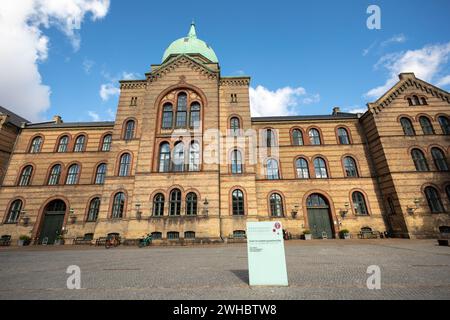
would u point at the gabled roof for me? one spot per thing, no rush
(13, 118)
(179, 60)
(407, 80)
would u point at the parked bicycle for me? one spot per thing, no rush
(112, 241)
(146, 241)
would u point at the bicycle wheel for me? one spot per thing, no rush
(108, 244)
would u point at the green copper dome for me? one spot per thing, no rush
(191, 45)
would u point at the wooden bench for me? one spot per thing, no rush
(100, 241)
(82, 241)
(5, 241)
(369, 234)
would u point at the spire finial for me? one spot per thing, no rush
(192, 31)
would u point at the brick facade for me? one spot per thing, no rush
(378, 145)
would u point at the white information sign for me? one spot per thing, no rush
(266, 257)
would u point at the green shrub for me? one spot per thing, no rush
(307, 231)
(24, 238)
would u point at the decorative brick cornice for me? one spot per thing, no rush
(181, 60)
(133, 84)
(401, 87)
(241, 81)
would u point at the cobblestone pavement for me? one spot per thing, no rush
(328, 269)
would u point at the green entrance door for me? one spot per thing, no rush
(53, 222)
(319, 217)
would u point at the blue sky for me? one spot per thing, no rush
(304, 57)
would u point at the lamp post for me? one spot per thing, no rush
(344, 211)
(294, 211)
(138, 211)
(412, 210)
(73, 216)
(205, 207)
(25, 218)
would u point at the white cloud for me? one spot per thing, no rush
(95, 116)
(399, 38)
(23, 45)
(130, 76)
(444, 81)
(426, 63)
(87, 65)
(355, 109)
(108, 90)
(283, 101)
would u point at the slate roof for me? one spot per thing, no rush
(340, 115)
(13, 118)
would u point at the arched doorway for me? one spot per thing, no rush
(53, 222)
(319, 218)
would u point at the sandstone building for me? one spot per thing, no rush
(162, 166)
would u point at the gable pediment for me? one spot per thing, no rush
(181, 60)
(407, 81)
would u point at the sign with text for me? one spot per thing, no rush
(266, 257)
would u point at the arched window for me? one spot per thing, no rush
(238, 202)
(425, 123)
(178, 157)
(447, 190)
(351, 169)
(72, 175)
(434, 200)
(297, 137)
(314, 137)
(106, 144)
(415, 100)
(276, 205)
(359, 204)
(302, 168)
(239, 234)
(175, 202)
(63, 144)
(55, 175)
(236, 162)
(129, 130)
(164, 157)
(407, 126)
(419, 160)
(320, 168)
(125, 165)
(100, 174)
(181, 110)
(94, 209)
(343, 136)
(36, 145)
(439, 158)
(14, 212)
(445, 125)
(410, 101)
(235, 126)
(79, 144)
(158, 205)
(118, 205)
(272, 170)
(25, 176)
(194, 156)
(167, 118)
(191, 204)
(194, 121)
(270, 138)
(424, 101)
